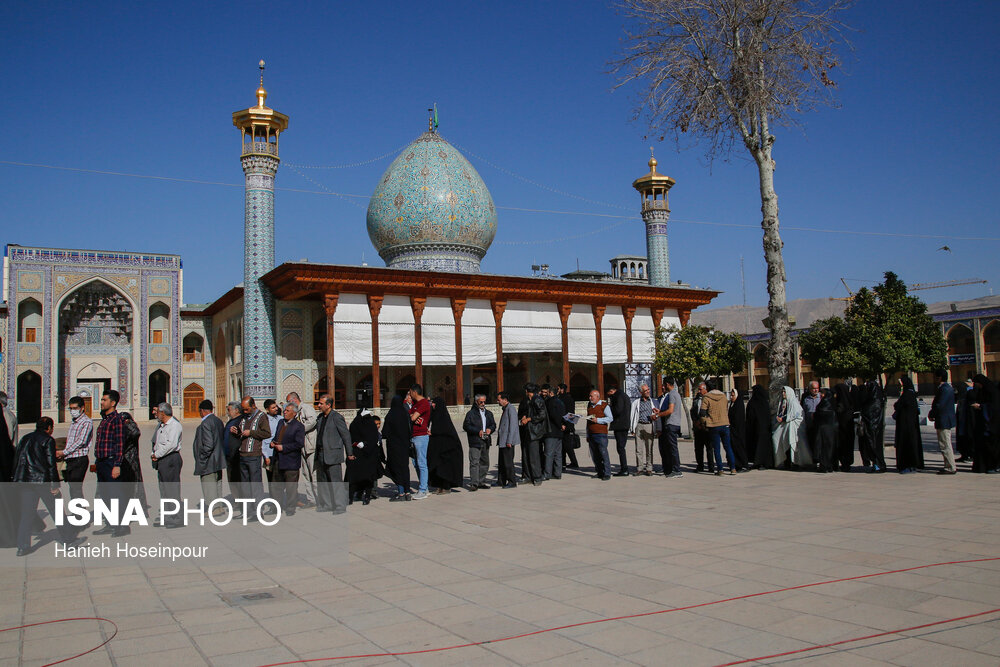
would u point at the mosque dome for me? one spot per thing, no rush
(431, 210)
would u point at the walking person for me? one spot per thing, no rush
(646, 429)
(621, 411)
(75, 453)
(37, 478)
(420, 419)
(943, 414)
(599, 416)
(167, 461)
(288, 444)
(554, 438)
(669, 413)
(479, 426)
(209, 452)
(508, 437)
(397, 435)
(333, 449)
(306, 416)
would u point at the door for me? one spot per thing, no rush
(193, 395)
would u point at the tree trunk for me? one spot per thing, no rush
(779, 350)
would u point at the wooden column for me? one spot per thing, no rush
(375, 307)
(417, 303)
(685, 317)
(498, 308)
(564, 310)
(657, 314)
(598, 317)
(629, 313)
(330, 305)
(457, 308)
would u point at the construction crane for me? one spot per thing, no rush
(947, 283)
(850, 294)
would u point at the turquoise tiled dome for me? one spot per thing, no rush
(431, 210)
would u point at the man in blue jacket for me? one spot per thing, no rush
(289, 439)
(943, 415)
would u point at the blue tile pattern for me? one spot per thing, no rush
(657, 250)
(431, 210)
(258, 259)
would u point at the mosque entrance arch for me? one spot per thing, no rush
(29, 397)
(159, 389)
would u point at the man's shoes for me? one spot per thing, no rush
(947, 472)
(718, 473)
(473, 487)
(995, 471)
(107, 530)
(290, 512)
(962, 459)
(606, 478)
(510, 485)
(23, 552)
(421, 495)
(484, 486)
(121, 531)
(622, 473)
(675, 474)
(649, 473)
(537, 482)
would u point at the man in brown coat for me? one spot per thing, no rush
(715, 412)
(251, 430)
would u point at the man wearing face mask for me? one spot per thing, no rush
(75, 454)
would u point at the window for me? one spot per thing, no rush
(29, 320)
(159, 323)
(29, 334)
(193, 347)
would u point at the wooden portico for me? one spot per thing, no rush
(325, 283)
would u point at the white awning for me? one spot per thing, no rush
(531, 327)
(479, 343)
(613, 336)
(582, 335)
(395, 332)
(437, 331)
(642, 336)
(352, 331)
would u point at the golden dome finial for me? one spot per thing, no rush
(261, 93)
(652, 161)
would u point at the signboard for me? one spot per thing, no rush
(636, 375)
(960, 359)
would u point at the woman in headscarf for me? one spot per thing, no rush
(986, 430)
(906, 412)
(737, 429)
(363, 470)
(131, 468)
(963, 420)
(445, 458)
(825, 421)
(396, 433)
(843, 406)
(758, 429)
(787, 423)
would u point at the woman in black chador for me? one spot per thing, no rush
(737, 429)
(445, 464)
(843, 405)
(396, 432)
(909, 450)
(825, 420)
(758, 429)
(130, 477)
(964, 398)
(986, 425)
(366, 466)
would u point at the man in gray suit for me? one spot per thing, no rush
(308, 418)
(209, 452)
(333, 448)
(508, 437)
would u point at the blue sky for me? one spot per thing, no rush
(149, 88)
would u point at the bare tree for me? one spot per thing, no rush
(723, 71)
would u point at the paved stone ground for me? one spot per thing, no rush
(472, 567)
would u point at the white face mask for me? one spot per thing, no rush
(74, 413)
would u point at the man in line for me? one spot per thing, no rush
(871, 430)
(554, 438)
(702, 438)
(715, 412)
(508, 437)
(209, 452)
(420, 418)
(333, 448)
(598, 418)
(621, 409)
(167, 460)
(109, 445)
(669, 413)
(288, 443)
(646, 428)
(77, 449)
(478, 426)
(810, 401)
(570, 442)
(252, 430)
(537, 421)
(37, 479)
(943, 415)
(307, 417)
(522, 421)
(273, 412)
(234, 415)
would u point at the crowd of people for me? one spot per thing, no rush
(293, 445)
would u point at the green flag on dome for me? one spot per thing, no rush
(435, 116)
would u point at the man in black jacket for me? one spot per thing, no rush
(570, 441)
(537, 421)
(289, 441)
(478, 426)
(554, 438)
(621, 411)
(209, 449)
(37, 478)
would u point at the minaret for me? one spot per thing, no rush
(260, 127)
(655, 212)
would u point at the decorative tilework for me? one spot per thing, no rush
(29, 281)
(657, 248)
(123, 380)
(159, 287)
(431, 196)
(258, 305)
